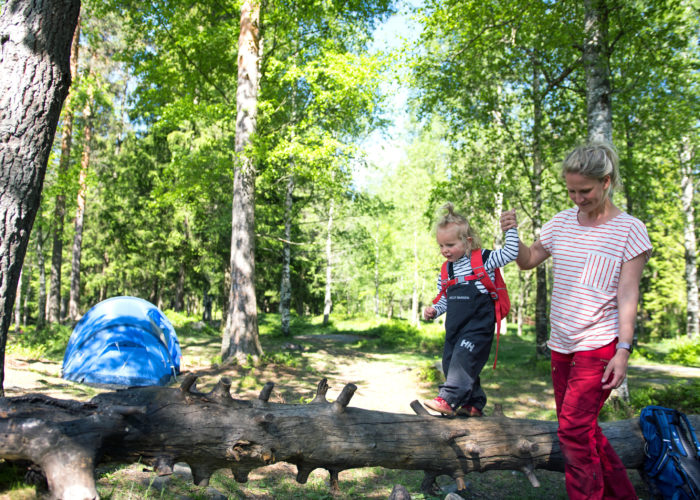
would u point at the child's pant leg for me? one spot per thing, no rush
(470, 353)
(592, 468)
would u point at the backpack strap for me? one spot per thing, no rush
(477, 262)
(447, 279)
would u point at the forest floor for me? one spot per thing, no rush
(385, 381)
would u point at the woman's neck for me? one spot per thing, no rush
(605, 213)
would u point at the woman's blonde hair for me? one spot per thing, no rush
(464, 229)
(596, 160)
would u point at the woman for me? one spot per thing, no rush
(598, 255)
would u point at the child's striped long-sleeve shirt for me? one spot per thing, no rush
(497, 258)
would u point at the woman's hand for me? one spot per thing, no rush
(508, 220)
(616, 370)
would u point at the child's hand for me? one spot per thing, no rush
(429, 313)
(508, 220)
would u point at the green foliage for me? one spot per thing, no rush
(430, 373)
(49, 342)
(687, 353)
(681, 351)
(398, 334)
(683, 396)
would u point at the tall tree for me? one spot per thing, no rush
(689, 240)
(60, 202)
(34, 81)
(533, 58)
(596, 54)
(77, 248)
(240, 336)
(328, 297)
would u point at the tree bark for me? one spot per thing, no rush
(541, 319)
(689, 241)
(35, 40)
(415, 297)
(328, 299)
(18, 304)
(41, 264)
(77, 249)
(286, 282)
(597, 69)
(240, 337)
(60, 201)
(163, 426)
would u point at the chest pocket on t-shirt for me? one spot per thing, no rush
(598, 272)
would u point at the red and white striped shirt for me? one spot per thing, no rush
(586, 263)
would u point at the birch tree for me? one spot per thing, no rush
(689, 240)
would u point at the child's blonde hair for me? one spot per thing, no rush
(464, 229)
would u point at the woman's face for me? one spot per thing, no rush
(451, 246)
(587, 193)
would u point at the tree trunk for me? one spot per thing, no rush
(415, 314)
(541, 319)
(286, 282)
(35, 39)
(18, 304)
(163, 426)
(77, 250)
(596, 65)
(240, 337)
(376, 270)
(328, 300)
(41, 264)
(689, 242)
(60, 202)
(27, 292)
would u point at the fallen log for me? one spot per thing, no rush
(209, 431)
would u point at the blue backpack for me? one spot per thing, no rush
(672, 454)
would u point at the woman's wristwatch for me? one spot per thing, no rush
(624, 345)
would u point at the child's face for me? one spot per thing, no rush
(451, 246)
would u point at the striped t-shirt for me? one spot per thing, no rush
(587, 262)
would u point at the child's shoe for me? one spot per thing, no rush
(439, 405)
(469, 411)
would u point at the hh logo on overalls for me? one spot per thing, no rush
(467, 345)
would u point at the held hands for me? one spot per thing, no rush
(429, 313)
(616, 370)
(508, 220)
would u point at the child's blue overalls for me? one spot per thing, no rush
(469, 325)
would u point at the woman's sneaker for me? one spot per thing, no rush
(439, 405)
(469, 411)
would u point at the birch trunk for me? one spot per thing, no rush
(286, 284)
(34, 80)
(328, 300)
(240, 336)
(415, 318)
(689, 242)
(596, 65)
(541, 319)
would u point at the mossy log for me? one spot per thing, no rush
(209, 431)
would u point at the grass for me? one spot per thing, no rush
(520, 383)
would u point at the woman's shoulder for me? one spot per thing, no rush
(628, 220)
(564, 217)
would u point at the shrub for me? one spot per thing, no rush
(686, 353)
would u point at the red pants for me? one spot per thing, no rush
(592, 469)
